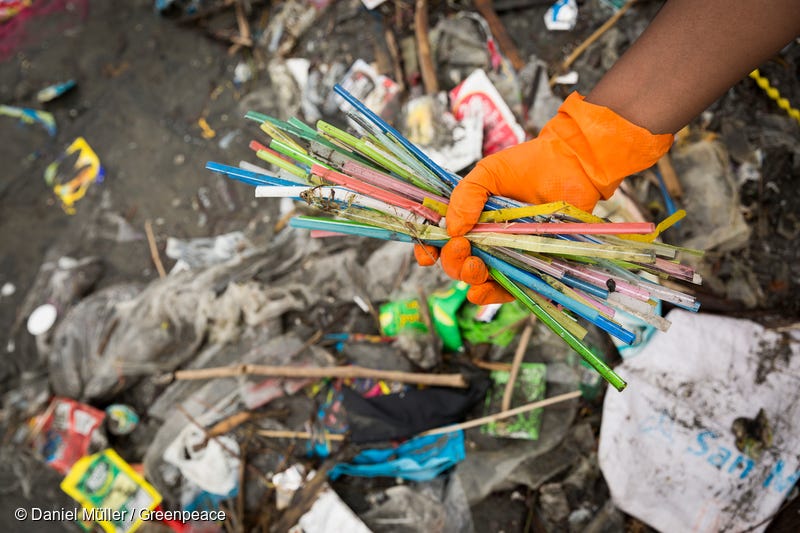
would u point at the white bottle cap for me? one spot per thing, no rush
(42, 319)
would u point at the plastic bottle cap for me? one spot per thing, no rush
(42, 319)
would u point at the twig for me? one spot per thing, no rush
(424, 48)
(151, 241)
(285, 434)
(305, 497)
(607, 25)
(488, 365)
(515, 364)
(231, 37)
(229, 519)
(208, 437)
(263, 521)
(394, 53)
(241, 21)
(299, 372)
(236, 420)
(424, 312)
(242, 480)
(402, 274)
(240, 498)
(107, 337)
(670, 177)
(244, 28)
(486, 9)
(284, 220)
(311, 340)
(505, 414)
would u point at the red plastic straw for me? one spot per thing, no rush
(385, 181)
(321, 234)
(390, 198)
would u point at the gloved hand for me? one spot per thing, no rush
(581, 155)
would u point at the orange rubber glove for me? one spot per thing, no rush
(581, 155)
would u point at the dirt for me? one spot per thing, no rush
(144, 81)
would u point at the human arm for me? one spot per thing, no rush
(689, 55)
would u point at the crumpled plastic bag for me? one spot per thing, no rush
(668, 449)
(211, 464)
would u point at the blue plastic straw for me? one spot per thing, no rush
(246, 176)
(533, 282)
(518, 275)
(438, 171)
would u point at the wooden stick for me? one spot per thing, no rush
(424, 48)
(394, 53)
(515, 364)
(486, 9)
(151, 241)
(241, 21)
(240, 498)
(301, 372)
(229, 423)
(505, 414)
(607, 25)
(284, 434)
(488, 365)
(670, 177)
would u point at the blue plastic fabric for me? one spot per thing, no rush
(418, 459)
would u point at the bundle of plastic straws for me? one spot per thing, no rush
(558, 261)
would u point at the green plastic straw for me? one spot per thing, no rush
(281, 163)
(533, 243)
(598, 364)
(295, 154)
(372, 153)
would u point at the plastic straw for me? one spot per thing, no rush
(438, 171)
(598, 364)
(565, 228)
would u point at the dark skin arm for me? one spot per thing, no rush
(690, 55)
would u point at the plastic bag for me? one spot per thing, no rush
(671, 446)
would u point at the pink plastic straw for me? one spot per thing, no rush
(601, 280)
(594, 302)
(545, 266)
(673, 269)
(387, 182)
(375, 192)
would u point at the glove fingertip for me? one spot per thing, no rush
(425, 254)
(488, 293)
(454, 253)
(474, 271)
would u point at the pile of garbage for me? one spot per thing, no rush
(276, 381)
